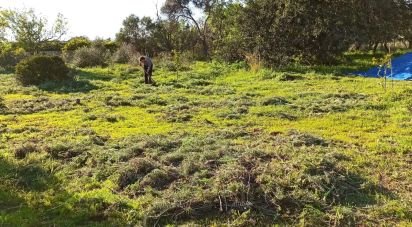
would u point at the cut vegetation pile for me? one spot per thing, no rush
(213, 145)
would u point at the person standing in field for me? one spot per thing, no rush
(147, 65)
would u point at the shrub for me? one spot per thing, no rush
(76, 43)
(89, 57)
(38, 69)
(105, 45)
(55, 45)
(125, 54)
(10, 57)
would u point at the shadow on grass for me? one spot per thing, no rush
(82, 83)
(93, 76)
(348, 64)
(32, 196)
(64, 87)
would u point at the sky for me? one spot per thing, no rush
(91, 18)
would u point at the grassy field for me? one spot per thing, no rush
(214, 145)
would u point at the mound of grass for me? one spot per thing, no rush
(21, 151)
(136, 170)
(29, 106)
(275, 101)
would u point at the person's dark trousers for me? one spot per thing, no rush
(148, 76)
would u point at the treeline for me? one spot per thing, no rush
(276, 32)
(273, 32)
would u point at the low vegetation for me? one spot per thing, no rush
(88, 57)
(268, 129)
(38, 69)
(214, 144)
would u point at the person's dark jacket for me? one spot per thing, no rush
(148, 65)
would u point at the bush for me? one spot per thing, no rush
(89, 57)
(38, 69)
(76, 43)
(10, 57)
(125, 54)
(105, 45)
(55, 45)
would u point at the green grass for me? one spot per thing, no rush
(214, 145)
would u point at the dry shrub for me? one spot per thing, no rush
(254, 62)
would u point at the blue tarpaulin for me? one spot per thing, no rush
(401, 69)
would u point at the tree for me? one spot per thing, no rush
(3, 25)
(406, 32)
(137, 31)
(308, 31)
(184, 9)
(227, 40)
(30, 31)
(173, 35)
(382, 21)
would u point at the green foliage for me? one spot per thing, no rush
(228, 43)
(76, 43)
(105, 45)
(3, 24)
(10, 56)
(388, 20)
(308, 31)
(31, 30)
(52, 46)
(38, 69)
(185, 10)
(285, 31)
(89, 57)
(137, 32)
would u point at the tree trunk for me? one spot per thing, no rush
(357, 46)
(385, 44)
(375, 47)
(205, 48)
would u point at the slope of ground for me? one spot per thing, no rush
(213, 145)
